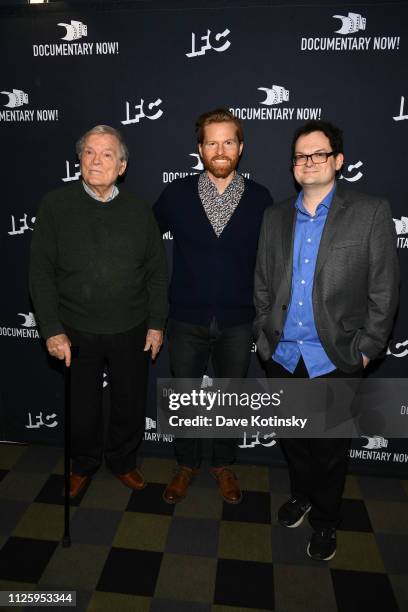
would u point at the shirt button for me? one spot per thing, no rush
(300, 323)
(300, 303)
(302, 282)
(306, 261)
(300, 341)
(311, 220)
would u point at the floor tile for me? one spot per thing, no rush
(38, 459)
(400, 588)
(10, 513)
(352, 489)
(201, 502)
(244, 583)
(357, 551)
(158, 470)
(382, 489)
(289, 545)
(10, 454)
(150, 499)
(91, 526)
(22, 486)
(303, 589)
(107, 494)
(189, 536)
(166, 605)
(133, 572)
(41, 521)
(76, 567)
(111, 602)
(186, 578)
(13, 585)
(253, 477)
(142, 531)
(279, 481)
(277, 500)
(254, 508)
(24, 560)
(355, 516)
(394, 551)
(246, 541)
(358, 591)
(388, 517)
(52, 492)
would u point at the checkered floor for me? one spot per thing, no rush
(131, 551)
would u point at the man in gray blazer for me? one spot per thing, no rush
(326, 290)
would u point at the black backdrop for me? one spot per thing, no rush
(150, 70)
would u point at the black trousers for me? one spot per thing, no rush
(127, 379)
(317, 466)
(190, 348)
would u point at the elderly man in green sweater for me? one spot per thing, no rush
(98, 281)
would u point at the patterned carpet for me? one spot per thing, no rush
(133, 552)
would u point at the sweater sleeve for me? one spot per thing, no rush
(42, 272)
(156, 277)
(160, 210)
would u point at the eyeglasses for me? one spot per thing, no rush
(317, 158)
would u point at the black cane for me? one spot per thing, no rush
(66, 540)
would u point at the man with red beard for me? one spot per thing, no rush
(215, 219)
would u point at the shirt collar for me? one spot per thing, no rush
(93, 195)
(326, 202)
(232, 187)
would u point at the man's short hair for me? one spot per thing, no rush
(333, 133)
(103, 129)
(217, 115)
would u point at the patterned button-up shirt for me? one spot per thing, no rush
(219, 208)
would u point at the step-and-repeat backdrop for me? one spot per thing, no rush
(150, 73)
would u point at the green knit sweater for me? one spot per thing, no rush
(97, 267)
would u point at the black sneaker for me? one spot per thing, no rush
(292, 513)
(322, 545)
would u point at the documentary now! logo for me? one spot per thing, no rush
(350, 40)
(168, 176)
(72, 32)
(273, 107)
(153, 436)
(401, 227)
(27, 329)
(16, 99)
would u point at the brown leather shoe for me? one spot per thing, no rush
(176, 490)
(227, 484)
(76, 483)
(133, 480)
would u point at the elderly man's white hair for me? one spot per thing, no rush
(104, 129)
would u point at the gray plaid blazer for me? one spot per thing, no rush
(355, 287)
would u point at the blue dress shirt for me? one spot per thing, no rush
(300, 337)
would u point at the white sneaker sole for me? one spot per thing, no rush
(299, 522)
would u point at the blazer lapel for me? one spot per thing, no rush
(288, 232)
(331, 228)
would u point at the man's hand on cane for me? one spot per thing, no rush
(59, 346)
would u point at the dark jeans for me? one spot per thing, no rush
(190, 348)
(317, 466)
(127, 378)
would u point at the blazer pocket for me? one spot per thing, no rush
(352, 324)
(346, 244)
